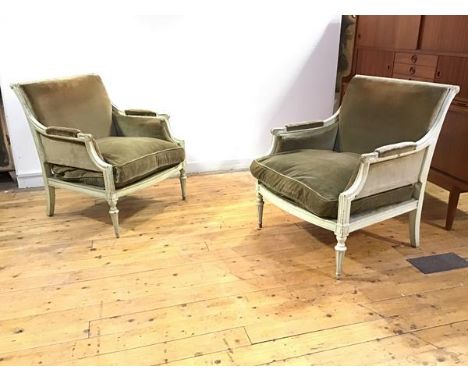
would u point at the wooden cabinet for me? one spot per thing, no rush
(424, 48)
(445, 34)
(451, 146)
(448, 168)
(374, 62)
(395, 32)
(454, 70)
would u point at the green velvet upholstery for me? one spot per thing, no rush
(307, 139)
(141, 112)
(314, 179)
(79, 102)
(66, 152)
(141, 126)
(132, 158)
(377, 112)
(63, 131)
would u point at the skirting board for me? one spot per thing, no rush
(30, 180)
(225, 165)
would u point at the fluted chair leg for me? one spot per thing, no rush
(260, 204)
(114, 214)
(340, 250)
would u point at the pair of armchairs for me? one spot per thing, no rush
(367, 163)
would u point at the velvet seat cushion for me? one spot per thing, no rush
(314, 179)
(132, 158)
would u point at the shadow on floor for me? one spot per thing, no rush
(6, 182)
(129, 207)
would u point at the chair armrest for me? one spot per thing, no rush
(320, 135)
(138, 123)
(141, 112)
(303, 125)
(396, 149)
(69, 147)
(143, 126)
(387, 168)
(62, 131)
(319, 138)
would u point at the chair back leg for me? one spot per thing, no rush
(50, 196)
(414, 224)
(183, 183)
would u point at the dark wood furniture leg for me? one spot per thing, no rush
(452, 207)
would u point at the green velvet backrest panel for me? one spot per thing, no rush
(378, 111)
(79, 102)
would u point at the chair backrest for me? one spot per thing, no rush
(79, 102)
(379, 111)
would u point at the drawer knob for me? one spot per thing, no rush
(414, 58)
(412, 70)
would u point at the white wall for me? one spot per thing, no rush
(226, 79)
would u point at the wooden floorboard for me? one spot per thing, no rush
(195, 283)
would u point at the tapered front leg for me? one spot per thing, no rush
(183, 183)
(114, 214)
(340, 250)
(260, 204)
(50, 196)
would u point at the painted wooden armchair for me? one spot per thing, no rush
(86, 144)
(367, 163)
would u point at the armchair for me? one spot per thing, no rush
(365, 164)
(86, 144)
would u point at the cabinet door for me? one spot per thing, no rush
(450, 154)
(391, 32)
(453, 70)
(374, 62)
(445, 34)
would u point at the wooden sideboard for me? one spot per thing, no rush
(424, 48)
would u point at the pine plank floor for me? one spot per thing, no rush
(195, 283)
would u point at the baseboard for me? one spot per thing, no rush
(226, 165)
(29, 180)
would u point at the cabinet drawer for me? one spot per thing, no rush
(426, 72)
(409, 77)
(416, 59)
